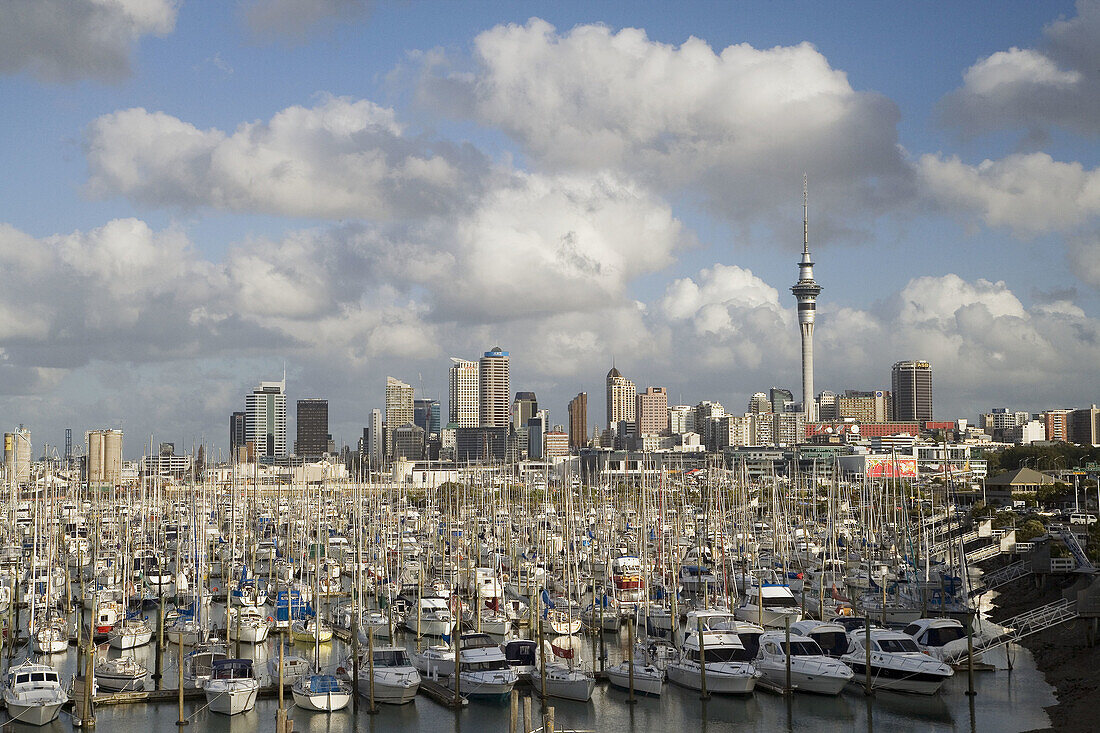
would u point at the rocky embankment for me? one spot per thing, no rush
(1062, 653)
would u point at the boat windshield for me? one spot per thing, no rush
(486, 666)
(724, 654)
(944, 635)
(896, 645)
(391, 658)
(803, 649)
(476, 641)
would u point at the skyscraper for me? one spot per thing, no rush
(578, 421)
(911, 391)
(265, 420)
(462, 408)
(377, 445)
(426, 416)
(236, 433)
(399, 407)
(311, 426)
(620, 399)
(493, 388)
(779, 399)
(806, 291)
(651, 411)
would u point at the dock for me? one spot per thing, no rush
(76, 695)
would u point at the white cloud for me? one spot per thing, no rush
(1057, 84)
(1028, 193)
(339, 159)
(70, 40)
(735, 128)
(296, 20)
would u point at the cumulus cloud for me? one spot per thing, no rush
(736, 128)
(296, 20)
(340, 159)
(1056, 84)
(1028, 193)
(70, 40)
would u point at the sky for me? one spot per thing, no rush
(199, 195)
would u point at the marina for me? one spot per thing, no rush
(594, 578)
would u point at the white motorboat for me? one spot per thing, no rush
(50, 637)
(434, 617)
(232, 686)
(831, 637)
(33, 694)
(321, 693)
(396, 680)
(437, 660)
(769, 605)
(483, 670)
(942, 638)
(122, 674)
(897, 663)
(810, 669)
(729, 665)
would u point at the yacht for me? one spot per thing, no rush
(321, 693)
(728, 664)
(396, 680)
(831, 637)
(810, 669)
(33, 694)
(294, 668)
(564, 681)
(942, 638)
(311, 630)
(483, 670)
(770, 605)
(897, 663)
(198, 664)
(232, 686)
(429, 616)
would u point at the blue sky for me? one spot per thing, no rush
(197, 192)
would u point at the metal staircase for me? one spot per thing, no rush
(1001, 576)
(1076, 550)
(1026, 624)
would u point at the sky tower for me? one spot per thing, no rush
(806, 291)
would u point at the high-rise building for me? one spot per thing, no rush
(536, 432)
(873, 406)
(399, 408)
(311, 426)
(524, 407)
(681, 419)
(493, 386)
(557, 445)
(376, 447)
(462, 409)
(236, 434)
(578, 421)
(426, 416)
(806, 291)
(651, 411)
(780, 399)
(826, 406)
(265, 420)
(760, 403)
(481, 444)
(1055, 423)
(408, 442)
(911, 391)
(620, 399)
(1083, 426)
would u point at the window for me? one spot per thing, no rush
(946, 635)
(804, 649)
(896, 645)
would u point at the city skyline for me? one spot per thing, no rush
(178, 226)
